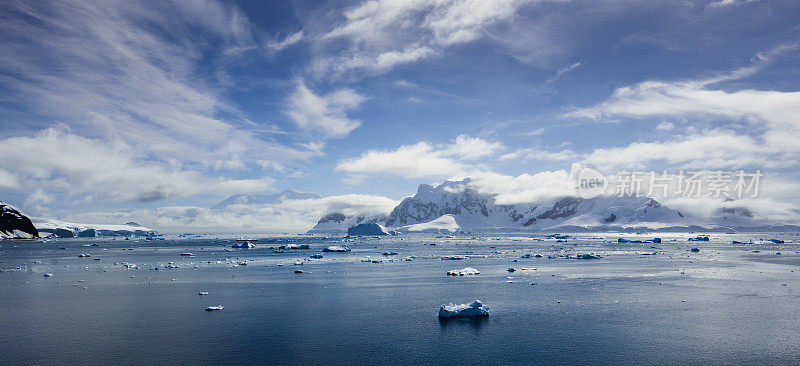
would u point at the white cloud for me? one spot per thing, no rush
(537, 154)
(386, 33)
(564, 71)
(422, 159)
(725, 3)
(472, 148)
(277, 46)
(665, 126)
(8, 180)
(540, 187)
(326, 114)
(773, 116)
(61, 162)
(419, 160)
(130, 92)
(707, 150)
(289, 216)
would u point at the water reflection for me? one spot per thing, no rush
(463, 323)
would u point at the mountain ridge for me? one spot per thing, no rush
(458, 206)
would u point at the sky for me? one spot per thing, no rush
(155, 111)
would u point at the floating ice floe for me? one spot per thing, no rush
(187, 254)
(389, 253)
(587, 256)
(243, 245)
(298, 263)
(212, 308)
(473, 310)
(468, 271)
(453, 258)
(298, 271)
(337, 248)
(762, 241)
(48, 275)
(297, 246)
(316, 256)
(510, 269)
(654, 240)
(694, 250)
(699, 238)
(203, 293)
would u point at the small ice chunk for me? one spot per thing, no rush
(48, 274)
(212, 308)
(468, 271)
(203, 293)
(510, 269)
(454, 258)
(336, 248)
(316, 256)
(472, 310)
(243, 245)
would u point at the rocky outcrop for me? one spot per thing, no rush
(14, 224)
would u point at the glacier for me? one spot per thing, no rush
(63, 229)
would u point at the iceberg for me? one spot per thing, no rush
(654, 240)
(243, 245)
(453, 258)
(587, 256)
(336, 248)
(468, 271)
(473, 310)
(367, 228)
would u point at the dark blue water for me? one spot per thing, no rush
(724, 305)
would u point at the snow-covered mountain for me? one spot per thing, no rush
(264, 199)
(14, 224)
(63, 229)
(457, 206)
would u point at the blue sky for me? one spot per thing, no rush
(153, 108)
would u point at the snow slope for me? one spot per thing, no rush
(444, 224)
